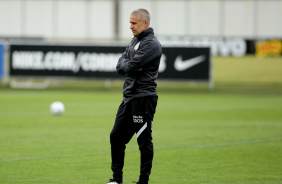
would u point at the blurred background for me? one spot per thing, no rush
(109, 19)
(226, 131)
(231, 28)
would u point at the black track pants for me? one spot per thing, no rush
(132, 117)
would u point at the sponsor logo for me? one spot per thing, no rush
(162, 66)
(137, 119)
(65, 61)
(68, 61)
(219, 46)
(269, 48)
(137, 46)
(181, 65)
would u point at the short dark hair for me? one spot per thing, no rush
(142, 14)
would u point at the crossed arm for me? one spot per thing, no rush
(146, 53)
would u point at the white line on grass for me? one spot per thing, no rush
(51, 156)
(152, 181)
(156, 148)
(222, 144)
(215, 181)
(52, 181)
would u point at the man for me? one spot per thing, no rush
(139, 65)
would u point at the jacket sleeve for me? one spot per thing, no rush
(123, 57)
(148, 50)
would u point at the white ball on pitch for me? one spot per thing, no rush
(57, 108)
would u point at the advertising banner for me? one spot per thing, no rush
(100, 61)
(1, 61)
(268, 48)
(220, 46)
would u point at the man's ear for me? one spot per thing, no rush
(146, 23)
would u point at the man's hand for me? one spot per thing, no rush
(119, 70)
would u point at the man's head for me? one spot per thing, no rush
(139, 21)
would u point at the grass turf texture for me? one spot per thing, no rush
(229, 135)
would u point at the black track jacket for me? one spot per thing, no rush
(139, 65)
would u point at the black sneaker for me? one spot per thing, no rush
(111, 181)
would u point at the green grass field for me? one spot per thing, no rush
(232, 134)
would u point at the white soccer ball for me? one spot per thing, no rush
(57, 108)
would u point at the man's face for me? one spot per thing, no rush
(137, 26)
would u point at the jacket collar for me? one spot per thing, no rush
(145, 33)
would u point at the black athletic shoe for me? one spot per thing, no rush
(111, 181)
